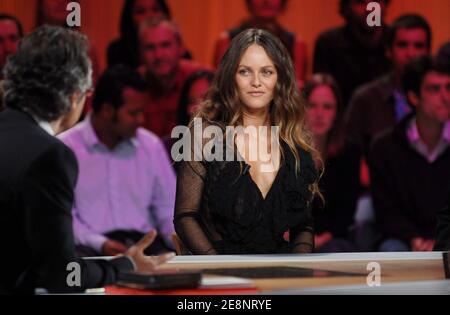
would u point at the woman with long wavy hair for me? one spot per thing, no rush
(238, 206)
(334, 222)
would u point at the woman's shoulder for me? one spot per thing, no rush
(306, 163)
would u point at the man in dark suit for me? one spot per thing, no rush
(443, 228)
(46, 84)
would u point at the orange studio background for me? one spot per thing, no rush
(201, 21)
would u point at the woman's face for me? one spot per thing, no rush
(265, 9)
(256, 78)
(145, 9)
(55, 11)
(197, 94)
(321, 110)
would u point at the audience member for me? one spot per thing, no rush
(340, 181)
(192, 95)
(355, 52)
(165, 71)
(125, 50)
(126, 185)
(264, 15)
(410, 164)
(10, 34)
(378, 105)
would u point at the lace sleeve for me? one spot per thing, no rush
(190, 186)
(302, 236)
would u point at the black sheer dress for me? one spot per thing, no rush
(219, 209)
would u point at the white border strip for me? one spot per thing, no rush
(428, 287)
(333, 257)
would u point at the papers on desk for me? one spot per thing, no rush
(210, 285)
(225, 282)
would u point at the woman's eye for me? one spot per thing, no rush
(267, 72)
(328, 106)
(243, 72)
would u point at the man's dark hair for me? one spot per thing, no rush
(343, 7)
(7, 17)
(50, 65)
(409, 21)
(111, 84)
(416, 71)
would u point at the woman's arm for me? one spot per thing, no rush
(302, 235)
(190, 185)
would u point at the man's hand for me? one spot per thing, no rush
(420, 244)
(143, 262)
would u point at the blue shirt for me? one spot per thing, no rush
(131, 187)
(402, 107)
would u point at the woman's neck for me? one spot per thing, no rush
(257, 118)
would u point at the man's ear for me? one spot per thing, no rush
(413, 98)
(74, 100)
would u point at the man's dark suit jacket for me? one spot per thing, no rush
(38, 174)
(443, 228)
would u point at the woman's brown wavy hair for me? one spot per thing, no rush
(287, 110)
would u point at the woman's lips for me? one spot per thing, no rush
(256, 94)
